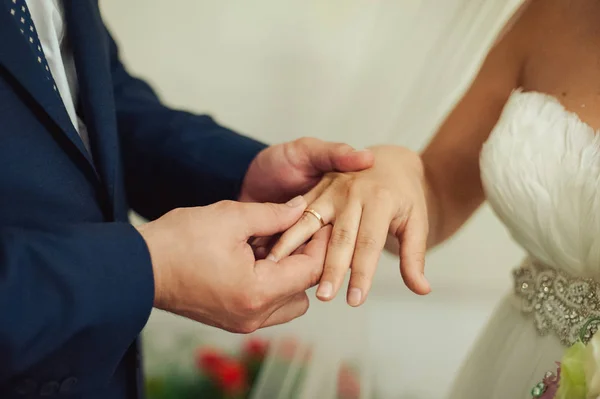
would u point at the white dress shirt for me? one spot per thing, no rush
(48, 17)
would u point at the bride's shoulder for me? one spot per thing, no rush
(553, 25)
(545, 21)
(563, 52)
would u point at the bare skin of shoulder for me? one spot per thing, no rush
(553, 47)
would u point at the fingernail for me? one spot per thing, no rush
(295, 202)
(363, 150)
(325, 290)
(271, 257)
(354, 296)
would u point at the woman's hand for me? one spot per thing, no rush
(364, 207)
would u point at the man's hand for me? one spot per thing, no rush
(205, 270)
(283, 171)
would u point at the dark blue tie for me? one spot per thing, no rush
(18, 9)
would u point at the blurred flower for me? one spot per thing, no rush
(209, 359)
(231, 377)
(255, 348)
(592, 366)
(572, 375)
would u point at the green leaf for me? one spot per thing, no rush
(572, 375)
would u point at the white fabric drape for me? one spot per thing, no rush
(446, 41)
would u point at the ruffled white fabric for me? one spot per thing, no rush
(540, 169)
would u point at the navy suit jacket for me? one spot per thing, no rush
(76, 283)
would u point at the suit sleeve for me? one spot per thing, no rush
(68, 289)
(173, 158)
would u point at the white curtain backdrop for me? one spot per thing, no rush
(358, 71)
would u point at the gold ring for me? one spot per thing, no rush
(316, 215)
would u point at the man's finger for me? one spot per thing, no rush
(413, 245)
(300, 250)
(354, 161)
(295, 273)
(325, 157)
(290, 310)
(268, 219)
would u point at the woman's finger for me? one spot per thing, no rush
(308, 225)
(295, 306)
(262, 245)
(370, 241)
(340, 250)
(413, 245)
(319, 189)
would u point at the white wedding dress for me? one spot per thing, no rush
(541, 170)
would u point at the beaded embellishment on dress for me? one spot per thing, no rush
(559, 303)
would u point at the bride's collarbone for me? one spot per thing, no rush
(573, 81)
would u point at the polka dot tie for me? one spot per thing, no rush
(18, 9)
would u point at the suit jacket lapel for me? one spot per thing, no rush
(20, 61)
(89, 43)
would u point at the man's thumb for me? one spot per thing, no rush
(268, 219)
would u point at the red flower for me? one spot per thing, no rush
(231, 377)
(255, 348)
(209, 359)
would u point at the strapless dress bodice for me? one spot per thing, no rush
(540, 170)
